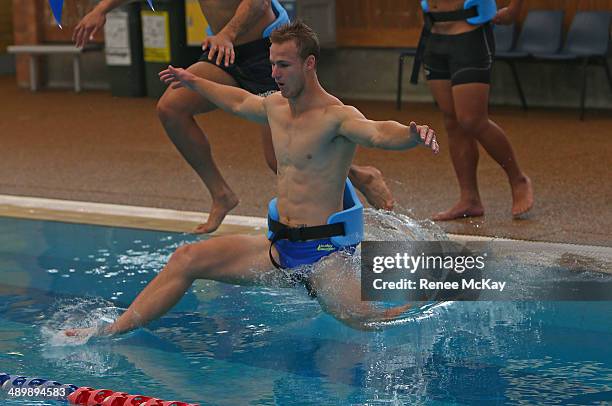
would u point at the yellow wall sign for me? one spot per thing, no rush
(196, 23)
(156, 36)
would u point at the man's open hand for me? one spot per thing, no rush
(220, 46)
(86, 28)
(177, 77)
(425, 135)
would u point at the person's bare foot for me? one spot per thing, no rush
(218, 211)
(88, 331)
(522, 197)
(81, 332)
(460, 210)
(370, 182)
(394, 312)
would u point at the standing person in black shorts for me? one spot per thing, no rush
(236, 53)
(457, 60)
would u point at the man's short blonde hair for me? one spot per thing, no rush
(305, 38)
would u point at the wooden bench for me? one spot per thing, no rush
(35, 51)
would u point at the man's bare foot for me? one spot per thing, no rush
(393, 312)
(460, 210)
(81, 332)
(218, 211)
(371, 184)
(88, 331)
(522, 197)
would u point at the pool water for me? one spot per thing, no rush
(230, 345)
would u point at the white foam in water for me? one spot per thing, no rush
(381, 225)
(92, 314)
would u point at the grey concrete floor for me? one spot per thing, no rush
(94, 147)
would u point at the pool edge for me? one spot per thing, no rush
(150, 218)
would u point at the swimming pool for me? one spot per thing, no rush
(229, 345)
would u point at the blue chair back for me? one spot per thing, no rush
(542, 32)
(589, 34)
(504, 37)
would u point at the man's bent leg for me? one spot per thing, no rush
(238, 259)
(464, 156)
(176, 110)
(338, 290)
(370, 182)
(471, 104)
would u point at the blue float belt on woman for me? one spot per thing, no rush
(474, 12)
(282, 18)
(343, 229)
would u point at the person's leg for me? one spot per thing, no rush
(464, 156)
(471, 106)
(238, 259)
(176, 110)
(338, 289)
(370, 182)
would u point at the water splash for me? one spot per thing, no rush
(382, 225)
(90, 314)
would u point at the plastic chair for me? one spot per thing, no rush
(542, 33)
(504, 46)
(588, 41)
(504, 37)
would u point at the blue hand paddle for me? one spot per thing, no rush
(56, 8)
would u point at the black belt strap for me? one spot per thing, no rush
(418, 57)
(429, 20)
(455, 15)
(281, 231)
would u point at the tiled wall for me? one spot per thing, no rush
(26, 30)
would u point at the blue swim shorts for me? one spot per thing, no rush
(294, 254)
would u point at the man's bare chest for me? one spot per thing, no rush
(302, 142)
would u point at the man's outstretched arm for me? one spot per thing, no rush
(384, 134)
(231, 99)
(87, 28)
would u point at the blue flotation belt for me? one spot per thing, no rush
(343, 228)
(58, 5)
(474, 12)
(282, 18)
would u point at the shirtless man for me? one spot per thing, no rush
(235, 55)
(314, 137)
(457, 61)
